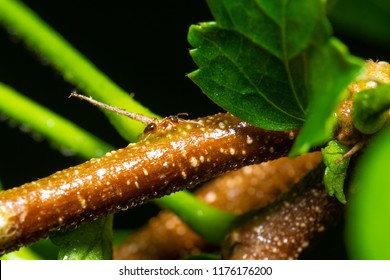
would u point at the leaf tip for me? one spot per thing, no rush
(299, 148)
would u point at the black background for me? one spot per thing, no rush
(141, 45)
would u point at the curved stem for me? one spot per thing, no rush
(63, 133)
(75, 67)
(175, 155)
(211, 223)
(22, 254)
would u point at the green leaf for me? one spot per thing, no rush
(268, 23)
(91, 241)
(370, 108)
(331, 70)
(253, 59)
(231, 82)
(273, 64)
(335, 172)
(368, 222)
(46, 249)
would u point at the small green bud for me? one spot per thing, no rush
(335, 171)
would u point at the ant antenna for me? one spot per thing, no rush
(138, 117)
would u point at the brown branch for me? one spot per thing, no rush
(173, 154)
(166, 236)
(286, 229)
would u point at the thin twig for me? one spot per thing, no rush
(138, 117)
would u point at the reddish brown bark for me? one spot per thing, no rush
(166, 236)
(286, 229)
(173, 154)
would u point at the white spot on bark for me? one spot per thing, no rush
(194, 162)
(82, 201)
(101, 172)
(222, 125)
(210, 197)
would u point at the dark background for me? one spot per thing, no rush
(141, 45)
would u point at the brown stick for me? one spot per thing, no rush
(166, 236)
(174, 154)
(286, 229)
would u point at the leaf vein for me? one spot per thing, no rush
(253, 85)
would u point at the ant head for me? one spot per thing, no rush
(150, 128)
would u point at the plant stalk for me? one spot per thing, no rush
(175, 155)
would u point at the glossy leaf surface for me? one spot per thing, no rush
(84, 243)
(273, 64)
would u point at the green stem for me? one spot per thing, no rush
(63, 133)
(75, 67)
(210, 223)
(370, 109)
(23, 254)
